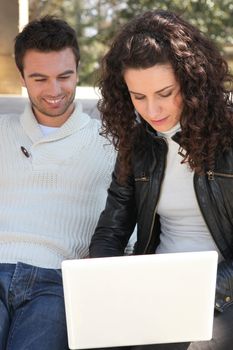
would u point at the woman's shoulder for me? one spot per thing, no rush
(224, 160)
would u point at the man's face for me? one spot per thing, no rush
(50, 79)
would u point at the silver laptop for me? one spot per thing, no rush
(133, 300)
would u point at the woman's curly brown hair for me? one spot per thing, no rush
(159, 37)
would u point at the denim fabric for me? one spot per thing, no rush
(32, 313)
(224, 286)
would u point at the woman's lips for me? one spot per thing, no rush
(159, 121)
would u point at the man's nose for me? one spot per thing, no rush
(54, 88)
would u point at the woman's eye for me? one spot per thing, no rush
(139, 97)
(166, 94)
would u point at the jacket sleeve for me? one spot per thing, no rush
(224, 285)
(117, 221)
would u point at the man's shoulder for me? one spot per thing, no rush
(94, 122)
(101, 143)
(12, 104)
(95, 125)
(7, 118)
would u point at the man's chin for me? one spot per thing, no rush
(51, 112)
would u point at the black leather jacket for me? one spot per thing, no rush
(136, 202)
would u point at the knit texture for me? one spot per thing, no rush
(51, 200)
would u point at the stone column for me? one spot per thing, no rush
(9, 27)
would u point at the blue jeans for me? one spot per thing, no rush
(32, 313)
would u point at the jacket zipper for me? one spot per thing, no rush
(155, 209)
(195, 190)
(151, 228)
(211, 174)
(143, 178)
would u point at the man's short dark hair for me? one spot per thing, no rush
(45, 34)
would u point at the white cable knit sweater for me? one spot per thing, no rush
(51, 200)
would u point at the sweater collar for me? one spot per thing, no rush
(75, 122)
(171, 132)
(154, 134)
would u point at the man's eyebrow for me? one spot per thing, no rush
(40, 75)
(37, 75)
(66, 72)
(161, 90)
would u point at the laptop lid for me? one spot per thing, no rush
(133, 300)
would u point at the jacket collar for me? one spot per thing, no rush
(153, 133)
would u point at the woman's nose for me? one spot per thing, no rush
(153, 109)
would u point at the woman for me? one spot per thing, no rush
(167, 106)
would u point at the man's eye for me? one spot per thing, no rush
(41, 79)
(64, 77)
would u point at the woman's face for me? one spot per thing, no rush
(155, 94)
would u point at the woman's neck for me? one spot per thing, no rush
(169, 133)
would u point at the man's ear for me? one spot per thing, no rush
(21, 78)
(77, 70)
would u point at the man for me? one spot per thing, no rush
(55, 169)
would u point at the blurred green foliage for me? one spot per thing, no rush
(96, 21)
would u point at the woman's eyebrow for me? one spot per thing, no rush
(158, 91)
(166, 87)
(136, 93)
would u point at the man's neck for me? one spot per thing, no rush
(53, 121)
